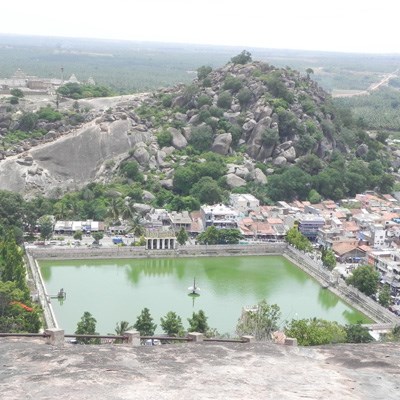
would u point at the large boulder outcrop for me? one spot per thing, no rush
(178, 140)
(222, 144)
(234, 181)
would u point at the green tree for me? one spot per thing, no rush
(244, 96)
(229, 236)
(130, 169)
(232, 83)
(172, 324)
(315, 331)
(243, 58)
(184, 179)
(309, 71)
(49, 114)
(12, 268)
(144, 323)
(97, 236)
(17, 314)
(27, 122)
(46, 227)
(365, 278)
(14, 100)
(78, 235)
(182, 236)
(207, 191)
(203, 71)
(201, 138)
(356, 333)
(259, 321)
(270, 137)
(384, 296)
(198, 322)
(87, 326)
(314, 197)
(224, 100)
(164, 138)
(328, 259)
(298, 240)
(292, 184)
(120, 329)
(17, 93)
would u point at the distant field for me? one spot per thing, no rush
(130, 67)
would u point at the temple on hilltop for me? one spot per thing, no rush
(31, 84)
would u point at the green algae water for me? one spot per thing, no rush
(116, 290)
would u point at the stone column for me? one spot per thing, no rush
(133, 338)
(56, 337)
(196, 336)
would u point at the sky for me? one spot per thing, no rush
(362, 26)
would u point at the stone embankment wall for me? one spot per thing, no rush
(337, 285)
(303, 260)
(42, 295)
(140, 252)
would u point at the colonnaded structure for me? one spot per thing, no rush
(159, 240)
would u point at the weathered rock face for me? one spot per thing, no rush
(71, 161)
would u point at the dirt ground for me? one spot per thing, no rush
(30, 369)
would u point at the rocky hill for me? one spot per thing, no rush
(263, 114)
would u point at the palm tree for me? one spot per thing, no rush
(114, 208)
(128, 210)
(120, 328)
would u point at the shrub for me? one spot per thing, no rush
(224, 100)
(164, 138)
(49, 114)
(204, 100)
(244, 96)
(232, 83)
(203, 71)
(201, 138)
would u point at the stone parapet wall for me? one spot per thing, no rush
(42, 295)
(141, 252)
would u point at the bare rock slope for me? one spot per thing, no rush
(31, 369)
(68, 162)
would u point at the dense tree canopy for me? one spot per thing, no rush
(365, 278)
(315, 331)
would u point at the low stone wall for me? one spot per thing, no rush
(43, 297)
(141, 252)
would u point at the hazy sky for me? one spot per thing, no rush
(364, 26)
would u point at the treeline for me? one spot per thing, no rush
(17, 311)
(261, 321)
(379, 110)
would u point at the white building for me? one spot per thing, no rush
(220, 216)
(244, 203)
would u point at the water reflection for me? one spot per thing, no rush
(327, 299)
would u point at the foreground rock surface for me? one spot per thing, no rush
(32, 369)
